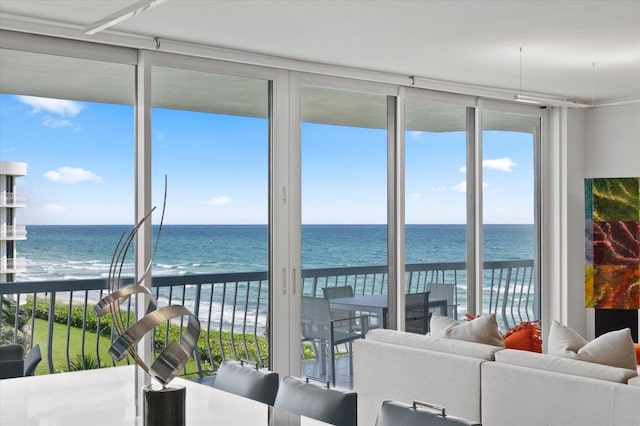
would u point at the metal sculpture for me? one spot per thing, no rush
(174, 357)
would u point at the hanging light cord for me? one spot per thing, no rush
(593, 83)
(520, 70)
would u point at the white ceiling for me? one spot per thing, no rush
(475, 43)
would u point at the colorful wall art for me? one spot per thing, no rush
(612, 235)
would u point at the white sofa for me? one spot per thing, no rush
(524, 388)
(489, 384)
(405, 367)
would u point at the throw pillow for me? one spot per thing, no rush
(483, 330)
(637, 346)
(524, 337)
(439, 323)
(614, 348)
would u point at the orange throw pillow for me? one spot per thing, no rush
(526, 337)
(637, 346)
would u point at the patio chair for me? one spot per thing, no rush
(346, 291)
(417, 312)
(14, 364)
(340, 291)
(445, 291)
(318, 327)
(246, 379)
(332, 406)
(336, 292)
(394, 413)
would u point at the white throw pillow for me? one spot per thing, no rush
(614, 348)
(481, 330)
(439, 323)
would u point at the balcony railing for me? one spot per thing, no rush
(12, 265)
(13, 232)
(12, 199)
(233, 308)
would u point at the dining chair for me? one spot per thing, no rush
(394, 413)
(246, 379)
(417, 312)
(318, 327)
(329, 405)
(13, 362)
(32, 360)
(336, 292)
(445, 291)
(339, 291)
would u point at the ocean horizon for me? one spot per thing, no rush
(66, 252)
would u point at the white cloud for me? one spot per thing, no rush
(52, 122)
(415, 195)
(462, 186)
(463, 169)
(503, 164)
(219, 201)
(54, 208)
(439, 188)
(59, 107)
(72, 175)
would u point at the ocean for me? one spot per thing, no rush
(65, 252)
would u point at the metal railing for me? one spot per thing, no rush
(12, 199)
(232, 308)
(13, 232)
(12, 264)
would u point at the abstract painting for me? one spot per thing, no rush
(612, 235)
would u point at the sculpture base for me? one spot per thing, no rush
(164, 407)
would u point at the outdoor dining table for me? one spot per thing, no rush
(377, 304)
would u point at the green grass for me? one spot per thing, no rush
(59, 348)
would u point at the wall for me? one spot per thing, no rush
(611, 148)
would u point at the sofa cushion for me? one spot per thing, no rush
(564, 365)
(433, 343)
(483, 330)
(614, 348)
(634, 381)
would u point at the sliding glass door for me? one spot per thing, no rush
(344, 222)
(210, 140)
(435, 203)
(510, 220)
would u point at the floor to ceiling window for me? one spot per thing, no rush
(436, 203)
(210, 139)
(510, 220)
(71, 121)
(344, 218)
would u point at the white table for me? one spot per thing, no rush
(105, 397)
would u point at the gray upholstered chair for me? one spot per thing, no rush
(394, 413)
(13, 362)
(32, 360)
(326, 404)
(246, 379)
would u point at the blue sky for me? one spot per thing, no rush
(80, 168)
